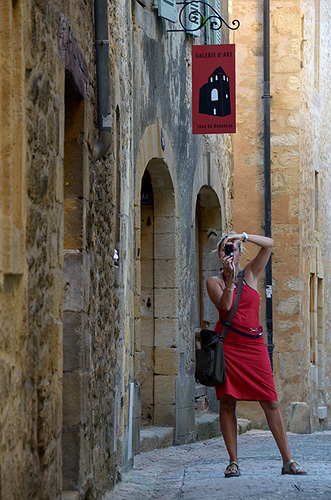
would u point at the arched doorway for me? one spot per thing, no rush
(208, 228)
(147, 303)
(156, 320)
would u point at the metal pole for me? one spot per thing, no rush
(267, 183)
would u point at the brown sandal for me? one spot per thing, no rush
(234, 471)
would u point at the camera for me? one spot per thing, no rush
(228, 249)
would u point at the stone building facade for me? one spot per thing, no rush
(109, 215)
(300, 84)
(101, 287)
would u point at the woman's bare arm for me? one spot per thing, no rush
(220, 294)
(255, 267)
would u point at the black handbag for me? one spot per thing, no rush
(210, 362)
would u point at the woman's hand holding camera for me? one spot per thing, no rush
(228, 269)
(228, 266)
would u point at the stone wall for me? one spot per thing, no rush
(178, 169)
(299, 143)
(55, 44)
(315, 208)
(70, 330)
(52, 44)
(285, 141)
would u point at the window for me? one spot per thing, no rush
(193, 18)
(217, 33)
(316, 201)
(218, 36)
(167, 9)
(214, 95)
(313, 318)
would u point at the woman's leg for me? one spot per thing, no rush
(277, 426)
(228, 421)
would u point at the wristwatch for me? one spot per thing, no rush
(245, 235)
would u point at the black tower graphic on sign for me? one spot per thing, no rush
(214, 97)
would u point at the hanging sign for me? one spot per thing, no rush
(213, 89)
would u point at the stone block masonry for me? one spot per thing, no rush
(75, 325)
(299, 172)
(52, 46)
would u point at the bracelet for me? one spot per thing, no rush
(230, 289)
(245, 235)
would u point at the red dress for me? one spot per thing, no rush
(248, 370)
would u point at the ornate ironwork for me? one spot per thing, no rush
(195, 16)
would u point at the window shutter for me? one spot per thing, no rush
(191, 25)
(217, 33)
(167, 9)
(207, 26)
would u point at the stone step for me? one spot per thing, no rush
(154, 437)
(70, 495)
(207, 426)
(243, 425)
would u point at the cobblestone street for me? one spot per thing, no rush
(195, 471)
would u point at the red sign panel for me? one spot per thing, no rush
(213, 89)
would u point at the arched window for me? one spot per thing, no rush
(214, 95)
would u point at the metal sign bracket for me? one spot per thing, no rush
(193, 17)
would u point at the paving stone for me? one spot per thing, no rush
(195, 471)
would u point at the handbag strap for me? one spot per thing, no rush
(227, 323)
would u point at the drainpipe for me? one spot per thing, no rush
(103, 78)
(267, 183)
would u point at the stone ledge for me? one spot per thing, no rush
(70, 495)
(152, 438)
(298, 415)
(207, 426)
(243, 425)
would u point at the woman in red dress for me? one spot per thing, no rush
(248, 370)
